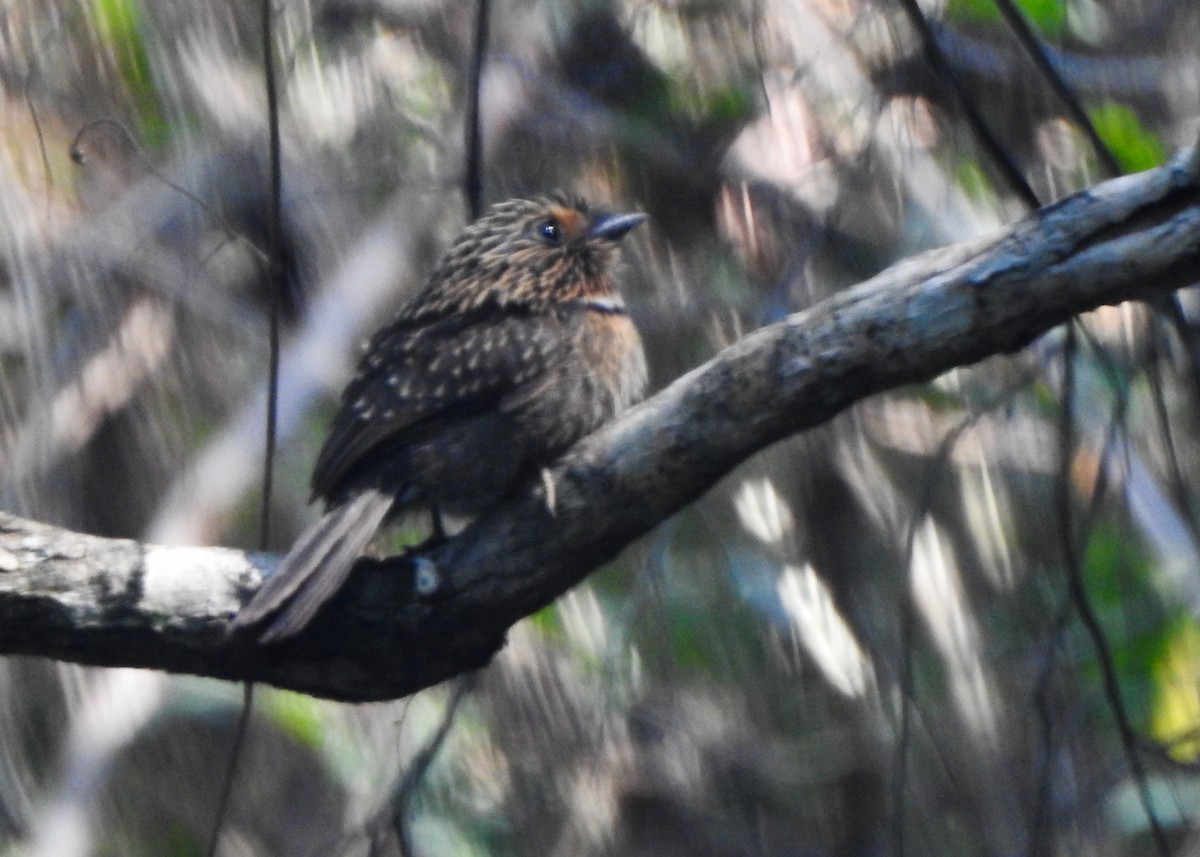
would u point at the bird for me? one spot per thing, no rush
(518, 345)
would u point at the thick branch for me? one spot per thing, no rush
(108, 602)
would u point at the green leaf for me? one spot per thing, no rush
(1047, 16)
(298, 715)
(120, 28)
(1175, 715)
(1115, 576)
(1136, 147)
(974, 182)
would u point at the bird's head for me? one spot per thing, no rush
(532, 252)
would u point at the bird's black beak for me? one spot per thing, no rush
(614, 226)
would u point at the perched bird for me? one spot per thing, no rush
(518, 345)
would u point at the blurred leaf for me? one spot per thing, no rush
(1175, 716)
(548, 623)
(1118, 575)
(119, 26)
(298, 715)
(704, 638)
(1136, 147)
(974, 182)
(1048, 16)
(730, 104)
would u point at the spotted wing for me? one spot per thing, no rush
(416, 376)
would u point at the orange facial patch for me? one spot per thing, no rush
(570, 221)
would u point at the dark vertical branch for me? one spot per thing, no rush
(1018, 183)
(1189, 338)
(930, 479)
(1041, 61)
(274, 276)
(417, 769)
(1166, 306)
(1021, 187)
(1042, 837)
(1174, 468)
(966, 105)
(274, 268)
(1079, 597)
(473, 191)
(473, 174)
(41, 141)
(235, 753)
(899, 814)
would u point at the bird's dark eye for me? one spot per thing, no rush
(549, 231)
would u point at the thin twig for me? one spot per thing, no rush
(931, 477)
(1041, 60)
(80, 157)
(473, 174)
(274, 290)
(1041, 842)
(422, 761)
(1167, 306)
(966, 105)
(1082, 602)
(274, 270)
(1175, 478)
(231, 765)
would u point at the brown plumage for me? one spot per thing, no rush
(518, 346)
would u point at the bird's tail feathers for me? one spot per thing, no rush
(315, 568)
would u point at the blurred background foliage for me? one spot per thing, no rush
(961, 619)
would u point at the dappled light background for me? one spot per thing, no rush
(961, 619)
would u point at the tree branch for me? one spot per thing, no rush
(118, 603)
